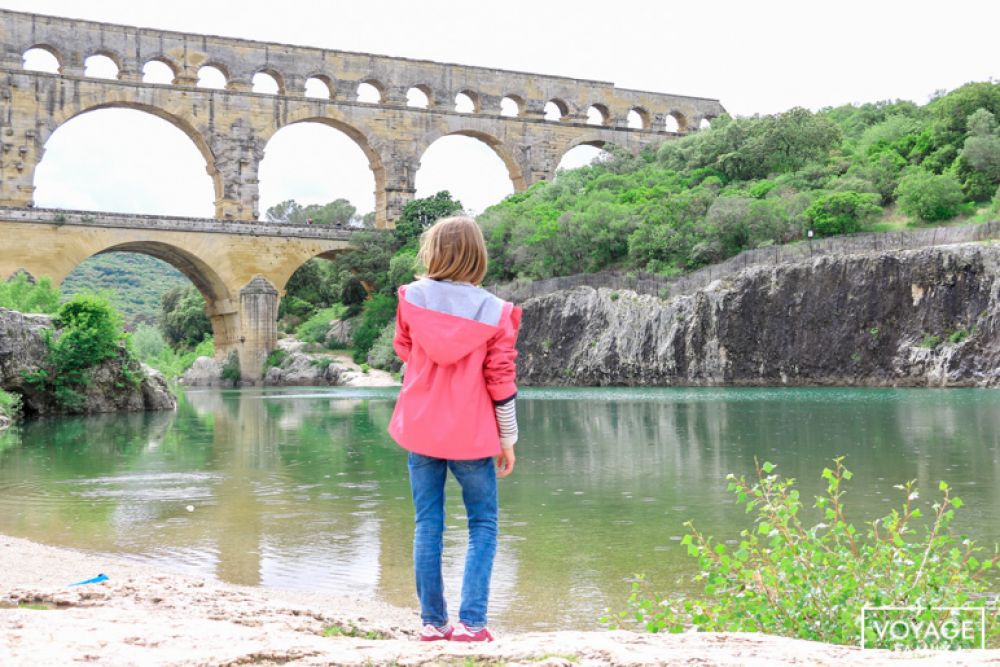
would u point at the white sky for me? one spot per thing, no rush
(756, 57)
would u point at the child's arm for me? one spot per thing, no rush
(500, 372)
(507, 422)
(401, 341)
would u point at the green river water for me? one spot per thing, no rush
(303, 488)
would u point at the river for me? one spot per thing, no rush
(303, 488)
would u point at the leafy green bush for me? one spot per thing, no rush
(315, 328)
(274, 358)
(20, 294)
(842, 212)
(231, 368)
(930, 197)
(182, 316)
(378, 311)
(930, 341)
(382, 355)
(172, 363)
(788, 578)
(10, 404)
(147, 342)
(90, 331)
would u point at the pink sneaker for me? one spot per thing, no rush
(433, 634)
(463, 634)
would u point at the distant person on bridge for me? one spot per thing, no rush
(455, 410)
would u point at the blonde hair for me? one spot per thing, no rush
(454, 249)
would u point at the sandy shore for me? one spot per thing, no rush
(142, 616)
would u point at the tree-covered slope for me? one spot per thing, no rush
(134, 283)
(751, 182)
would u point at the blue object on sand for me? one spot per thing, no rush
(96, 580)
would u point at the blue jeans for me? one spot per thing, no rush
(478, 480)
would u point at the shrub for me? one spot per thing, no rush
(929, 341)
(182, 316)
(958, 336)
(812, 582)
(378, 311)
(173, 363)
(842, 212)
(930, 197)
(231, 368)
(90, 331)
(382, 355)
(315, 328)
(10, 404)
(21, 294)
(274, 358)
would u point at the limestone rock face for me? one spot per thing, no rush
(340, 333)
(204, 372)
(301, 369)
(928, 317)
(23, 350)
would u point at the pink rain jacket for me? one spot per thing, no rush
(457, 341)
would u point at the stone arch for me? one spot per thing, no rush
(423, 89)
(472, 97)
(602, 117)
(638, 118)
(675, 121)
(516, 104)
(594, 141)
(164, 60)
(363, 139)
(220, 305)
(514, 169)
(200, 142)
(110, 55)
(323, 79)
(374, 83)
(51, 50)
(216, 65)
(279, 81)
(560, 107)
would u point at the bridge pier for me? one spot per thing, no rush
(258, 326)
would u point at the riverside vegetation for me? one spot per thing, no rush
(777, 578)
(742, 183)
(76, 356)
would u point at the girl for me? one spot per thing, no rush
(455, 411)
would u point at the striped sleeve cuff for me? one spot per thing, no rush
(507, 422)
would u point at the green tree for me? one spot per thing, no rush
(90, 331)
(182, 317)
(378, 311)
(338, 212)
(930, 197)
(419, 214)
(20, 293)
(842, 212)
(980, 156)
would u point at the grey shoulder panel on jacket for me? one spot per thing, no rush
(458, 299)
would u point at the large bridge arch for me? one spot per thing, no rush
(177, 120)
(362, 137)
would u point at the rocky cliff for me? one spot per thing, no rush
(928, 317)
(23, 349)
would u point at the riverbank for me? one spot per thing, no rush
(142, 615)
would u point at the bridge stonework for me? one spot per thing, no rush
(231, 128)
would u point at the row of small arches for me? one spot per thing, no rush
(158, 71)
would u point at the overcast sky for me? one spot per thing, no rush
(756, 57)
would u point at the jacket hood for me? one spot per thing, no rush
(450, 320)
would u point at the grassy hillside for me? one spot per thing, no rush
(752, 182)
(134, 283)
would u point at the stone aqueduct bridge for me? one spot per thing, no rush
(239, 265)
